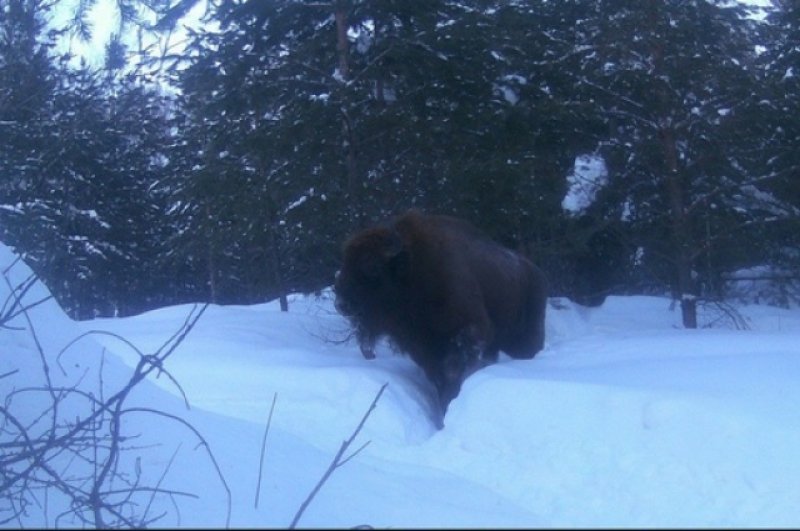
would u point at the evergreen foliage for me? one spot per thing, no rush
(292, 123)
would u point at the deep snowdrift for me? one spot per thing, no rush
(623, 419)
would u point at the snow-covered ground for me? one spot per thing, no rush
(624, 419)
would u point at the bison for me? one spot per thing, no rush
(442, 292)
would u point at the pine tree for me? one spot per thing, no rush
(781, 134)
(676, 87)
(26, 86)
(337, 115)
(80, 152)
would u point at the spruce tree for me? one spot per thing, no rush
(676, 86)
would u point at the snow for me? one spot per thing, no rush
(763, 284)
(508, 93)
(588, 177)
(623, 420)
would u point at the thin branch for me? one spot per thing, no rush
(203, 443)
(98, 333)
(264, 448)
(14, 299)
(337, 459)
(9, 373)
(704, 199)
(355, 453)
(157, 488)
(43, 455)
(177, 338)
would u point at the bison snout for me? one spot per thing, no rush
(342, 306)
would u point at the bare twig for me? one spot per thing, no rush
(338, 460)
(11, 307)
(725, 312)
(183, 331)
(264, 448)
(9, 373)
(157, 488)
(202, 443)
(80, 455)
(152, 358)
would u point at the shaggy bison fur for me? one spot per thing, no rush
(444, 293)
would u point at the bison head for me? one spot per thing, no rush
(371, 282)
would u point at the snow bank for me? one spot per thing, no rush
(623, 420)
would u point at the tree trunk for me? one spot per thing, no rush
(211, 264)
(277, 261)
(212, 277)
(342, 42)
(348, 133)
(681, 233)
(680, 227)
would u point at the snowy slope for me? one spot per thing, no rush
(622, 420)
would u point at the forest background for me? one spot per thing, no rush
(230, 166)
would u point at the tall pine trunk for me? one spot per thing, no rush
(277, 260)
(680, 227)
(681, 231)
(348, 134)
(211, 263)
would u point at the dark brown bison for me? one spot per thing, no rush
(442, 292)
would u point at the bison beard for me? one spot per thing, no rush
(442, 292)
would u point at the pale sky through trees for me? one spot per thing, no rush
(105, 17)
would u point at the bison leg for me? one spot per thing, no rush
(445, 373)
(529, 336)
(366, 342)
(537, 309)
(459, 362)
(534, 342)
(367, 349)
